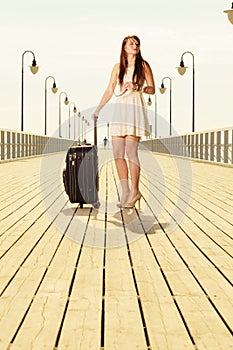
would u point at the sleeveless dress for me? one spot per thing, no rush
(129, 115)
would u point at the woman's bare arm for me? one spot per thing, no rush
(110, 89)
(150, 88)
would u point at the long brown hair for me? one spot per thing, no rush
(138, 74)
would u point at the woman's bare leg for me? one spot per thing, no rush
(118, 144)
(131, 147)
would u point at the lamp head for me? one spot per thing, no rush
(34, 68)
(230, 14)
(66, 101)
(149, 102)
(182, 68)
(54, 88)
(162, 89)
(75, 109)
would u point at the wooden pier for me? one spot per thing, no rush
(158, 277)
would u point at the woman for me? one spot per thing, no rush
(134, 77)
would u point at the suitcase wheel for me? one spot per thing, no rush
(96, 205)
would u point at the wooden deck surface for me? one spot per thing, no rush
(158, 277)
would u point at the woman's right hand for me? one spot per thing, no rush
(94, 116)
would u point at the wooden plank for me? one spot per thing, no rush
(164, 323)
(20, 292)
(123, 323)
(41, 326)
(11, 261)
(123, 327)
(82, 324)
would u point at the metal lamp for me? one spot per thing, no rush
(230, 13)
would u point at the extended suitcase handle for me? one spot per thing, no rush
(95, 132)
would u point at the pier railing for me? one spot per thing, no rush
(16, 144)
(212, 145)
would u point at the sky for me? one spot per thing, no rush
(78, 42)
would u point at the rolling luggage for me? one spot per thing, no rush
(80, 177)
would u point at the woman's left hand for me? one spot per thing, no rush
(129, 85)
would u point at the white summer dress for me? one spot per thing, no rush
(130, 112)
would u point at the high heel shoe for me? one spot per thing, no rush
(120, 205)
(123, 201)
(132, 203)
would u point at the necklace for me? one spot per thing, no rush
(122, 93)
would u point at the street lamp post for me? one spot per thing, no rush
(162, 89)
(79, 116)
(85, 130)
(74, 110)
(54, 90)
(149, 102)
(66, 101)
(83, 121)
(34, 69)
(182, 69)
(230, 13)
(108, 134)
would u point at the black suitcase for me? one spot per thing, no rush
(80, 177)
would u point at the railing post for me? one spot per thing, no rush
(231, 146)
(30, 145)
(8, 145)
(2, 145)
(13, 144)
(34, 145)
(18, 145)
(26, 145)
(192, 146)
(206, 146)
(189, 145)
(155, 145)
(183, 146)
(196, 146)
(22, 145)
(201, 145)
(212, 146)
(177, 145)
(39, 145)
(218, 146)
(225, 147)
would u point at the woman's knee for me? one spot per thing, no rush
(118, 148)
(131, 150)
(118, 153)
